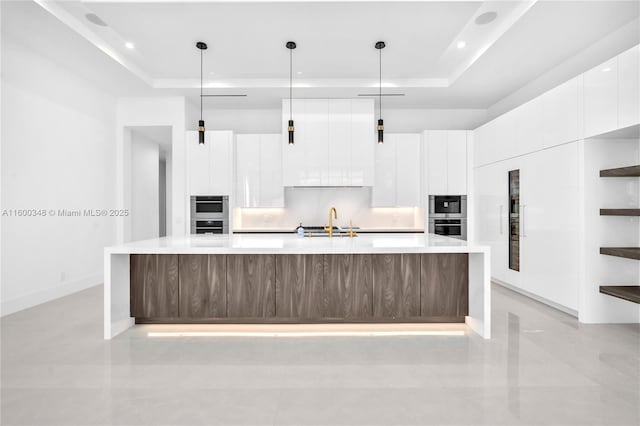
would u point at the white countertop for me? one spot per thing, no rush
(292, 244)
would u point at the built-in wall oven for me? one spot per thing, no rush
(210, 214)
(448, 215)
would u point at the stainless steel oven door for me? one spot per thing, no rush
(453, 228)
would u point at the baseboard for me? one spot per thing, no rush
(537, 298)
(57, 291)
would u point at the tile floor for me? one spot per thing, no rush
(541, 368)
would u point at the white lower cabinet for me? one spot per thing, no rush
(549, 222)
(210, 170)
(397, 171)
(259, 171)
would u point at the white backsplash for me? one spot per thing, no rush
(311, 207)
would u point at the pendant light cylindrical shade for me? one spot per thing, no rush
(380, 45)
(291, 128)
(202, 46)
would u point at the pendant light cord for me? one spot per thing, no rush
(380, 85)
(200, 84)
(290, 84)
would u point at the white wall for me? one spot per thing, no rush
(395, 120)
(145, 185)
(58, 151)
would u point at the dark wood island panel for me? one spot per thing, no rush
(348, 286)
(444, 284)
(396, 285)
(251, 285)
(299, 286)
(154, 285)
(203, 286)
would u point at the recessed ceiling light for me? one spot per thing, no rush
(486, 18)
(299, 73)
(212, 73)
(95, 19)
(461, 44)
(607, 69)
(129, 45)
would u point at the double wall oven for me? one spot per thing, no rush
(448, 215)
(210, 214)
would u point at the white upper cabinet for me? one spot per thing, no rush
(446, 162)
(457, 162)
(339, 152)
(408, 188)
(629, 87)
(259, 171)
(211, 164)
(485, 143)
(271, 188)
(363, 142)
(334, 142)
(436, 162)
(397, 172)
(560, 112)
(247, 170)
(601, 98)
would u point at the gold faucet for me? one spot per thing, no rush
(333, 213)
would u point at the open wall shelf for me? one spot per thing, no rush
(619, 212)
(626, 292)
(626, 252)
(631, 171)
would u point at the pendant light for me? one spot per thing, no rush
(291, 45)
(202, 46)
(380, 45)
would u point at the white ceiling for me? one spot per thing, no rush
(335, 39)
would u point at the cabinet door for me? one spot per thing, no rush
(316, 150)
(203, 291)
(629, 87)
(339, 142)
(299, 286)
(457, 162)
(437, 162)
(560, 114)
(549, 224)
(221, 162)
(363, 142)
(492, 210)
(248, 176)
(444, 284)
(293, 156)
(408, 182)
(528, 133)
(485, 143)
(384, 188)
(396, 285)
(271, 188)
(601, 98)
(251, 286)
(348, 286)
(154, 285)
(199, 168)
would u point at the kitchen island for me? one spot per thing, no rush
(275, 279)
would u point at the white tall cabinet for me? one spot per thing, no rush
(259, 171)
(210, 165)
(397, 171)
(334, 142)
